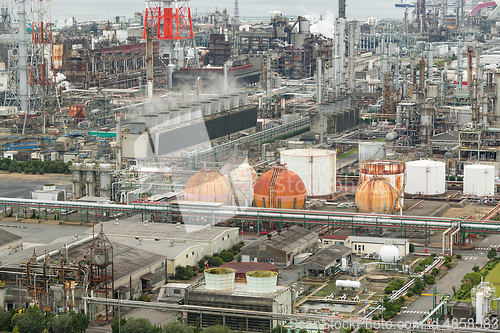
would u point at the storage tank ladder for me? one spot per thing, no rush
(272, 187)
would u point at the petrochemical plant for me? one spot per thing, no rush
(253, 173)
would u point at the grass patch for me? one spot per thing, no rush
(348, 153)
(494, 277)
(380, 140)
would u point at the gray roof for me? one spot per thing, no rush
(162, 248)
(325, 258)
(287, 240)
(126, 259)
(376, 240)
(133, 227)
(8, 237)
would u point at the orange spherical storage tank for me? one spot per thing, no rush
(375, 196)
(280, 188)
(209, 186)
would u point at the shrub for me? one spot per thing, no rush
(238, 257)
(409, 293)
(411, 247)
(452, 178)
(217, 261)
(433, 255)
(226, 256)
(375, 317)
(429, 279)
(447, 264)
(144, 298)
(475, 268)
(419, 269)
(435, 271)
(459, 256)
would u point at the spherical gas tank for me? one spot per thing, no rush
(389, 253)
(210, 186)
(375, 196)
(280, 188)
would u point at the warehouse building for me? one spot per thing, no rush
(281, 246)
(362, 245)
(325, 262)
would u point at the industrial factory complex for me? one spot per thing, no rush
(258, 174)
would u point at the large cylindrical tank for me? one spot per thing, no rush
(375, 196)
(289, 191)
(209, 186)
(263, 282)
(392, 171)
(316, 168)
(304, 27)
(389, 253)
(371, 151)
(206, 108)
(219, 278)
(391, 136)
(225, 102)
(175, 116)
(479, 180)
(347, 284)
(425, 177)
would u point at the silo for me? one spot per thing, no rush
(371, 151)
(206, 108)
(235, 101)
(425, 177)
(105, 170)
(215, 105)
(219, 278)
(263, 282)
(225, 102)
(479, 180)
(316, 168)
(392, 171)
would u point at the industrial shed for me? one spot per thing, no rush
(325, 261)
(281, 246)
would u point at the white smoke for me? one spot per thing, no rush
(322, 23)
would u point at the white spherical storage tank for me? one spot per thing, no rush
(425, 177)
(219, 278)
(262, 281)
(316, 167)
(479, 180)
(389, 253)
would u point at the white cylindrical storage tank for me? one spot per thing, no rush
(479, 180)
(344, 264)
(286, 118)
(348, 284)
(196, 111)
(215, 105)
(480, 308)
(235, 101)
(304, 27)
(163, 118)
(175, 116)
(225, 102)
(391, 136)
(371, 151)
(206, 108)
(425, 177)
(105, 176)
(389, 254)
(151, 120)
(219, 278)
(262, 282)
(185, 113)
(243, 98)
(316, 167)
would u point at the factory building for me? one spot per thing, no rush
(205, 239)
(326, 261)
(9, 243)
(362, 245)
(280, 246)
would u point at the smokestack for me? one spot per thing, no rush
(342, 9)
(351, 57)
(459, 65)
(430, 62)
(319, 79)
(149, 62)
(118, 144)
(268, 82)
(23, 61)
(497, 100)
(225, 78)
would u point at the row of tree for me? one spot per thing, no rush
(34, 166)
(33, 320)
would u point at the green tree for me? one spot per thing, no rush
(217, 329)
(411, 247)
(61, 324)
(114, 324)
(491, 253)
(279, 329)
(30, 321)
(138, 325)
(79, 321)
(178, 327)
(217, 261)
(226, 256)
(454, 288)
(475, 268)
(6, 320)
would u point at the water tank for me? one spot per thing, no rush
(225, 103)
(206, 108)
(479, 180)
(347, 284)
(289, 191)
(235, 101)
(391, 136)
(304, 26)
(371, 151)
(261, 281)
(219, 278)
(425, 177)
(389, 253)
(392, 171)
(209, 186)
(137, 127)
(375, 196)
(316, 168)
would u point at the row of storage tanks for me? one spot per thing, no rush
(261, 282)
(312, 173)
(177, 114)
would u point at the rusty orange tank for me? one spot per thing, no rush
(375, 196)
(209, 186)
(280, 188)
(392, 171)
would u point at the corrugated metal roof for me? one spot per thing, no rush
(325, 258)
(287, 240)
(8, 237)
